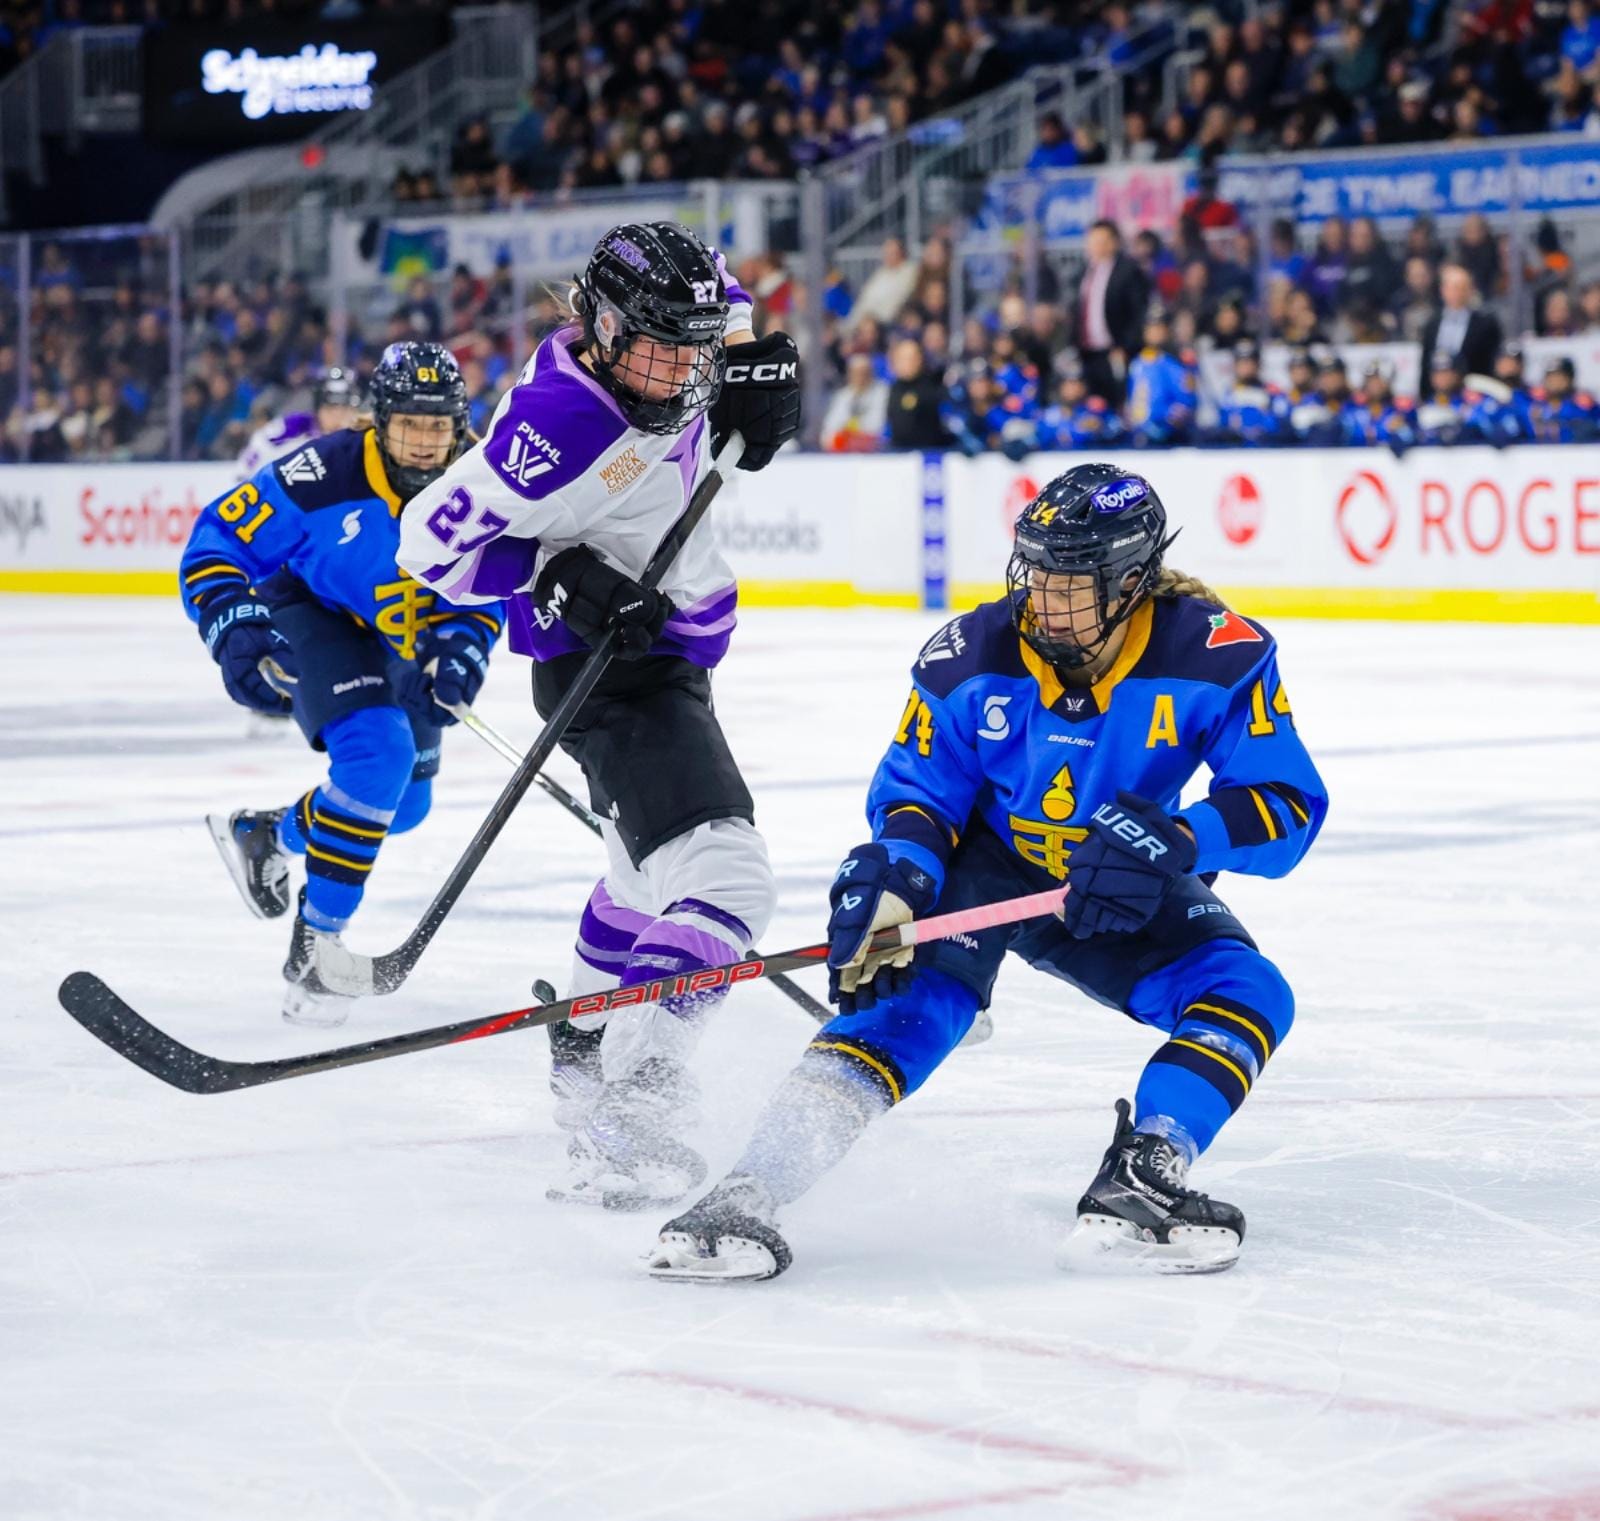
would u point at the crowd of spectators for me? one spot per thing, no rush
(1137, 346)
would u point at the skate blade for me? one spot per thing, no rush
(315, 1011)
(737, 1259)
(227, 848)
(1106, 1244)
(982, 1030)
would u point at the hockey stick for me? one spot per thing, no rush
(502, 746)
(105, 1016)
(347, 971)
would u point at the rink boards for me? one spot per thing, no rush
(1510, 535)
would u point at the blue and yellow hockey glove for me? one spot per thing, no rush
(240, 636)
(1123, 872)
(871, 893)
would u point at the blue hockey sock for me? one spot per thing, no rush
(345, 821)
(1226, 1009)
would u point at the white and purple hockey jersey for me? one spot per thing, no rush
(273, 438)
(561, 466)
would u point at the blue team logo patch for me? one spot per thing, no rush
(1119, 496)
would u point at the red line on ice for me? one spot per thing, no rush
(1584, 1505)
(1356, 1404)
(1121, 1468)
(943, 1507)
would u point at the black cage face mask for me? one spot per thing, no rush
(661, 384)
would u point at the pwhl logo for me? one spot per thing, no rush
(21, 516)
(1367, 518)
(1239, 509)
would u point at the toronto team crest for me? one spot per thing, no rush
(1229, 628)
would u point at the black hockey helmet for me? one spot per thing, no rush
(338, 388)
(657, 281)
(418, 379)
(1096, 522)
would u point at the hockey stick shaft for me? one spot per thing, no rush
(105, 1016)
(502, 746)
(383, 974)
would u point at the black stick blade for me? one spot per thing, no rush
(106, 1017)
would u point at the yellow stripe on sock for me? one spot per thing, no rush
(1207, 1051)
(1238, 1019)
(870, 1060)
(323, 855)
(366, 834)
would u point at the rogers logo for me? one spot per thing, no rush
(1367, 518)
(150, 520)
(1022, 490)
(1239, 509)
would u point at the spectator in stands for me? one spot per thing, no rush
(887, 289)
(1462, 332)
(1478, 252)
(857, 413)
(1580, 42)
(1113, 297)
(915, 401)
(1371, 273)
(1054, 148)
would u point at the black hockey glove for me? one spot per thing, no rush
(240, 636)
(592, 598)
(760, 397)
(1123, 872)
(871, 893)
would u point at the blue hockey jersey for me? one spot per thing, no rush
(991, 738)
(328, 514)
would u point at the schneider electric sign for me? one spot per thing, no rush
(253, 83)
(314, 79)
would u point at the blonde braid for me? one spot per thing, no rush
(1176, 583)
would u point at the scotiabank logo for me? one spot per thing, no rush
(1367, 518)
(1459, 519)
(154, 519)
(1239, 509)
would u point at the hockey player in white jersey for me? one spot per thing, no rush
(588, 462)
(335, 403)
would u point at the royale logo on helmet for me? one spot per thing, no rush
(1120, 496)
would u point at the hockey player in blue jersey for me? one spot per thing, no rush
(1250, 411)
(1376, 417)
(292, 582)
(1161, 388)
(1442, 411)
(1077, 420)
(1046, 739)
(1560, 413)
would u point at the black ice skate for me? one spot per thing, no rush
(575, 1077)
(307, 1000)
(727, 1236)
(626, 1156)
(258, 864)
(1137, 1213)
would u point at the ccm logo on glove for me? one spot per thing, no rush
(738, 374)
(1127, 829)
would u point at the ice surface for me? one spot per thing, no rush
(346, 1297)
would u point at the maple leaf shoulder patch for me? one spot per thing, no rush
(1229, 628)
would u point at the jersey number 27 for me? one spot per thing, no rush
(449, 523)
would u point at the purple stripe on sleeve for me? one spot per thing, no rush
(737, 294)
(503, 566)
